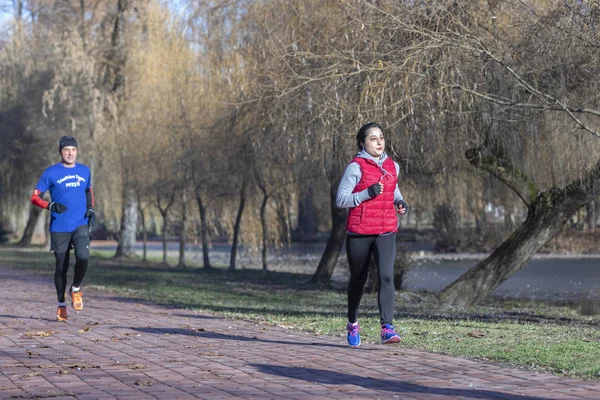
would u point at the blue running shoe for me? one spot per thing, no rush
(353, 336)
(388, 335)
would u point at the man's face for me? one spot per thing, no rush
(69, 155)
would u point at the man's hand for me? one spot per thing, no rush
(91, 216)
(57, 207)
(375, 189)
(402, 207)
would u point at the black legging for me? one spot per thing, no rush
(61, 244)
(359, 249)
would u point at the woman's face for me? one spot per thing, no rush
(374, 142)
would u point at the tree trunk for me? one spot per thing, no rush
(203, 231)
(402, 264)
(547, 216)
(34, 215)
(144, 231)
(113, 82)
(591, 215)
(263, 223)
(322, 275)
(334, 245)
(182, 233)
(372, 284)
(283, 212)
(164, 236)
(236, 227)
(307, 223)
(481, 223)
(127, 235)
(145, 241)
(548, 212)
(417, 219)
(46, 230)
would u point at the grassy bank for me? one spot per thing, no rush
(523, 334)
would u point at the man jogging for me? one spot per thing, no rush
(72, 214)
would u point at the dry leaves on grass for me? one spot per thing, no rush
(476, 333)
(285, 326)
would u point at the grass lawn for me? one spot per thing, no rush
(523, 334)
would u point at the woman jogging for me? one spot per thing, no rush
(369, 188)
(72, 208)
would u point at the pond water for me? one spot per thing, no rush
(546, 277)
(554, 279)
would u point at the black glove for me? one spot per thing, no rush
(403, 204)
(91, 215)
(57, 207)
(374, 190)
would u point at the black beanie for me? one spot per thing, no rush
(66, 141)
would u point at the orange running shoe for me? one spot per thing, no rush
(61, 314)
(76, 299)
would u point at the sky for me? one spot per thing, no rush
(6, 12)
(5, 17)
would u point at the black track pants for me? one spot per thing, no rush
(61, 243)
(359, 249)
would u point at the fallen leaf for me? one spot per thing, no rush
(39, 334)
(476, 333)
(31, 375)
(81, 366)
(144, 383)
(31, 353)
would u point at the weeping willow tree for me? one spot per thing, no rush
(509, 114)
(54, 79)
(160, 115)
(458, 85)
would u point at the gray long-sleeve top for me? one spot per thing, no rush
(352, 175)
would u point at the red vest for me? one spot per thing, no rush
(377, 215)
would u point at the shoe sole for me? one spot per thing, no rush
(77, 306)
(354, 345)
(395, 339)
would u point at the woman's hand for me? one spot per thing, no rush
(402, 207)
(375, 189)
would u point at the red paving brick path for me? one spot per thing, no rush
(123, 349)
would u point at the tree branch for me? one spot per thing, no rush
(504, 171)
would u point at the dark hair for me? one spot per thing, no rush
(362, 133)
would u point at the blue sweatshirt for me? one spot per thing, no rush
(67, 186)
